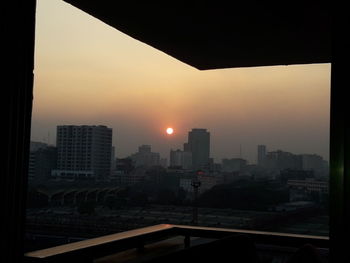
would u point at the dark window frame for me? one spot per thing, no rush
(19, 22)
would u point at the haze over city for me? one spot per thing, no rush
(89, 73)
(127, 139)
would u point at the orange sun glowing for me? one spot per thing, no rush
(169, 131)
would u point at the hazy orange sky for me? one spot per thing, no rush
(87, 72)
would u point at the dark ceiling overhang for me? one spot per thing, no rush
(224, 34)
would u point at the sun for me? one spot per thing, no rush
(169, 131)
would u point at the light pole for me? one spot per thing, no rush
(195, 184)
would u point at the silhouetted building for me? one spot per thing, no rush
(308, 189)
(136, 176)
(233, 165)
(261, 154)
(280, 160)
(181, 159)
(216, 167)
(83, 152)
(316, 163)
(187, 147)
(145, 149)
(199, 145)
(124, 165)
(209, 181)
(145, 157)
(290, 174)
(113, 159)
(37, 145)
(163, 162)
(310, 185)
(123, 168)
(42, 160)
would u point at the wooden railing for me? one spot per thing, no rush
(88, 250)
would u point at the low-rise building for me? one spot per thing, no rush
(310, 185)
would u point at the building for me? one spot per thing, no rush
(163, 162)
(310, 185)
(261, 154)
(37, 145)
(84, 152)
(145, 157)
(315, 163)
(113, 159)
(137, 176)
(180, 159)
(233, 165)
(123, 168)
(306, 189)
(199, 145)
(186, 147)
(42, 160)
(289, 174)
(280, 160)
(209, 181)
(124, 165)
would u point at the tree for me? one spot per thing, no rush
(244, 195)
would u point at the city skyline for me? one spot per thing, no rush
(237, 151)
(185, 147)
(129, 138)
(88, 73)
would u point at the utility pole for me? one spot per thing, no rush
(195, 184)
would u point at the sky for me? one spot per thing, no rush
(88, 73)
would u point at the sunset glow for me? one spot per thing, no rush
(120, 130)
(89, 73)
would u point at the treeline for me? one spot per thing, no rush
(245, 195)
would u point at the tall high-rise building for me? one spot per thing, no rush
(199, 145)
(83, 152)
(261, 154)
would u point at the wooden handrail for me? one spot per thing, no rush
(87, 250)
